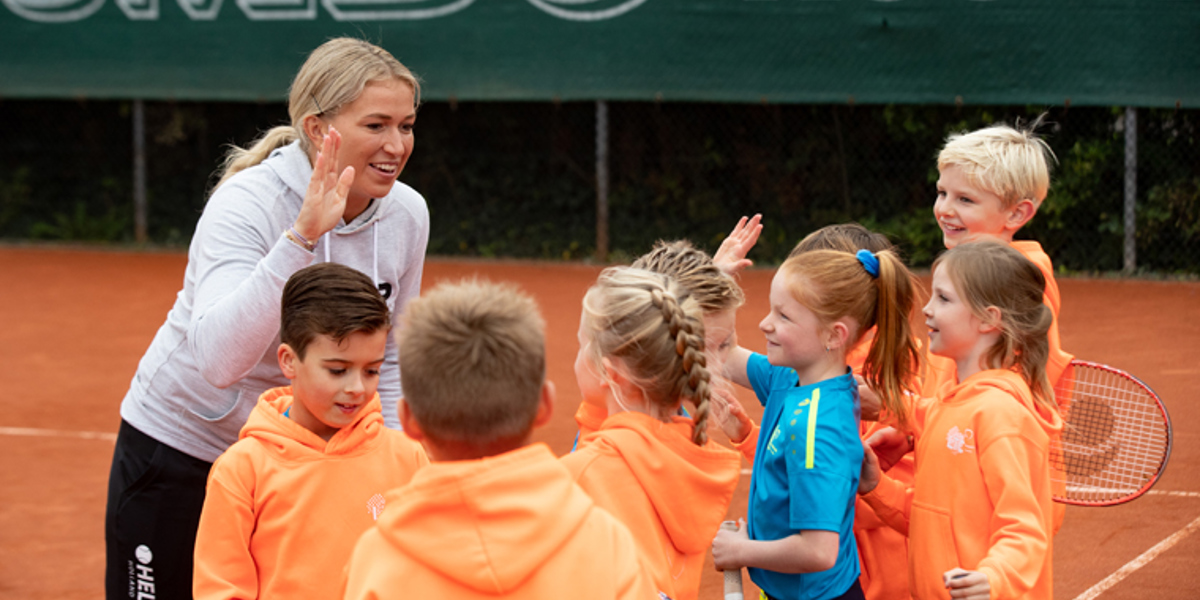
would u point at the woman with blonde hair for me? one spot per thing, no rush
(321, 189)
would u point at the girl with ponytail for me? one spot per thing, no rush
(320, 189)
(641, 354)
(799, 540)
(979, 513)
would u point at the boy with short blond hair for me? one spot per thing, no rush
(493, 516)
(286, 503)
(992, 182)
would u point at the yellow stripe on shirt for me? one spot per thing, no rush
(812, 428)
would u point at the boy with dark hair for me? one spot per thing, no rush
(286, 503)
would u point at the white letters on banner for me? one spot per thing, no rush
(67, 11)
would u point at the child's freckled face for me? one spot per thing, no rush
(335, 381)
(965, 211)
(793, 331)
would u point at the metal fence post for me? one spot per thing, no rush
(139, 171)
(1130, 190)
(601, 181)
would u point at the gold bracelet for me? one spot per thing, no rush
(296, 240)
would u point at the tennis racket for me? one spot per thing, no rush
(733, 577)
(1116, 439)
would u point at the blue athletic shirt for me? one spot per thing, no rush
(806, 472)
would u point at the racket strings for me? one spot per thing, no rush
(1116, 437)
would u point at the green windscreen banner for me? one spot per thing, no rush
(1053, 52)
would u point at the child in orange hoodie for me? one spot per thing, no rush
(286, 503)
(642, 352)
(712, 285)
(979, 514)
(991, 183)
(492, 516)
(799, 541)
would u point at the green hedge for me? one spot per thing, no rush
(517, 179)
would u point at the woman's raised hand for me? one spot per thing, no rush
(325, 201)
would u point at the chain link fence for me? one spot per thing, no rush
(519, 179)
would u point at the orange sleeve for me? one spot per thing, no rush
(1019, 546)
(224, 567)
(892, 502)
(749, 446)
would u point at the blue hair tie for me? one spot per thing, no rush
(869, 261)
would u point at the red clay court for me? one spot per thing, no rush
(75, 322)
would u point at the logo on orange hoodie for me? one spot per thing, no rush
(960, 441)
(375, 506)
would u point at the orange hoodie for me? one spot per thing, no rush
(981, 499)
(507, 526)
(284, 507)
(882, 551)
(941, 370)
(671, 493)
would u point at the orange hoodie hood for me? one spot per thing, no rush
(669, 467)
(488, 524)
(1010, 383)
(291, 441)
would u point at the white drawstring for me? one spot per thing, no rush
(326, 239)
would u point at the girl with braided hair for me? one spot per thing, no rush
(799, 542)
(641, 354)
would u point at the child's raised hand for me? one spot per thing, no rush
(868, 400)
(726, 547)
(731, 256)
(871, 473)
(730, 415)
(971, 585)
(889, 445)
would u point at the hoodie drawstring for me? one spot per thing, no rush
(327, 238)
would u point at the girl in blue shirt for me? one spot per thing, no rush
(799, 541)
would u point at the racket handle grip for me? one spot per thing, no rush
(733, 577)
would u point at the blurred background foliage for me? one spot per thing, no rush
(517, 179)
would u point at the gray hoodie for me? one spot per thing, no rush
(216, 352)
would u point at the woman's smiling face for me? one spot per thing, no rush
(377, 138)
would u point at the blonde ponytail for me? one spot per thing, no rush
(238, 159)
(654, 328)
